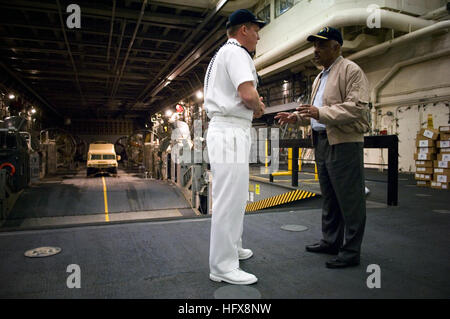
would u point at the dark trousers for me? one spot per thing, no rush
(341, 177)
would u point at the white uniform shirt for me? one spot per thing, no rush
(231, 66)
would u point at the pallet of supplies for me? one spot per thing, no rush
(441, 167)
(426, 153)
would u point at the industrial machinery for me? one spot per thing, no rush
(59, 147)
(14, 163)
(120, 147)
(81, 150)
(182, 164)
(134, 148)
(14, 156)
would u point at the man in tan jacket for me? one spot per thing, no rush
(339, 118)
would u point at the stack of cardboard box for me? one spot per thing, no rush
(441, 167)
(425, 156)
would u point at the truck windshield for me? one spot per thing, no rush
(103, 156)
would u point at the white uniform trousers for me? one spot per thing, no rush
(228, 142)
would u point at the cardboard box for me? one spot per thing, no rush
(432, 134)
(441, 178)
(423, 183)
(445, 150)
(424, 163)
(437, 170)
(423, 177)
(427, 150)
(445, 128)
(424, 142)
(440, 164)
(445, 136)
(443, 144)
(425, 157)
(439, 185)
(440, 157)
(425, 170)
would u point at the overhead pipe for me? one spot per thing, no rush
(307, 53)
(401, 40)
(119, 47)
(111, 30)
(393, 71)
(303, 55)
(402, 64)
(371, 51)
(70, 53)
(119, 77)
(349, 17)
(30, 89)
(165, 80)
(436, 13)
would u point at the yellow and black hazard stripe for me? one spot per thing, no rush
(279, 200)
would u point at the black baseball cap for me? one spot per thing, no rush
(243, 16)
(327, 33)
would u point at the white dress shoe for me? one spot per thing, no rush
(244, 253)
(235, 277)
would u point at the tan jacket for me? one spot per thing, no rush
(345, 110)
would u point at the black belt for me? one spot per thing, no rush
(322, 133)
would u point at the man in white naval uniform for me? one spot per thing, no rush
(231, 102)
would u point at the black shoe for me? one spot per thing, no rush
(337, 263)
(322, 249)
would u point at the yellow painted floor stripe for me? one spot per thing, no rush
(105, 196)
(291, 197)
(280, 198)
(285, 197)
(276, 200)
(270, 201)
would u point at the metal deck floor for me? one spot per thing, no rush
(169, 259)
(72, 198)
